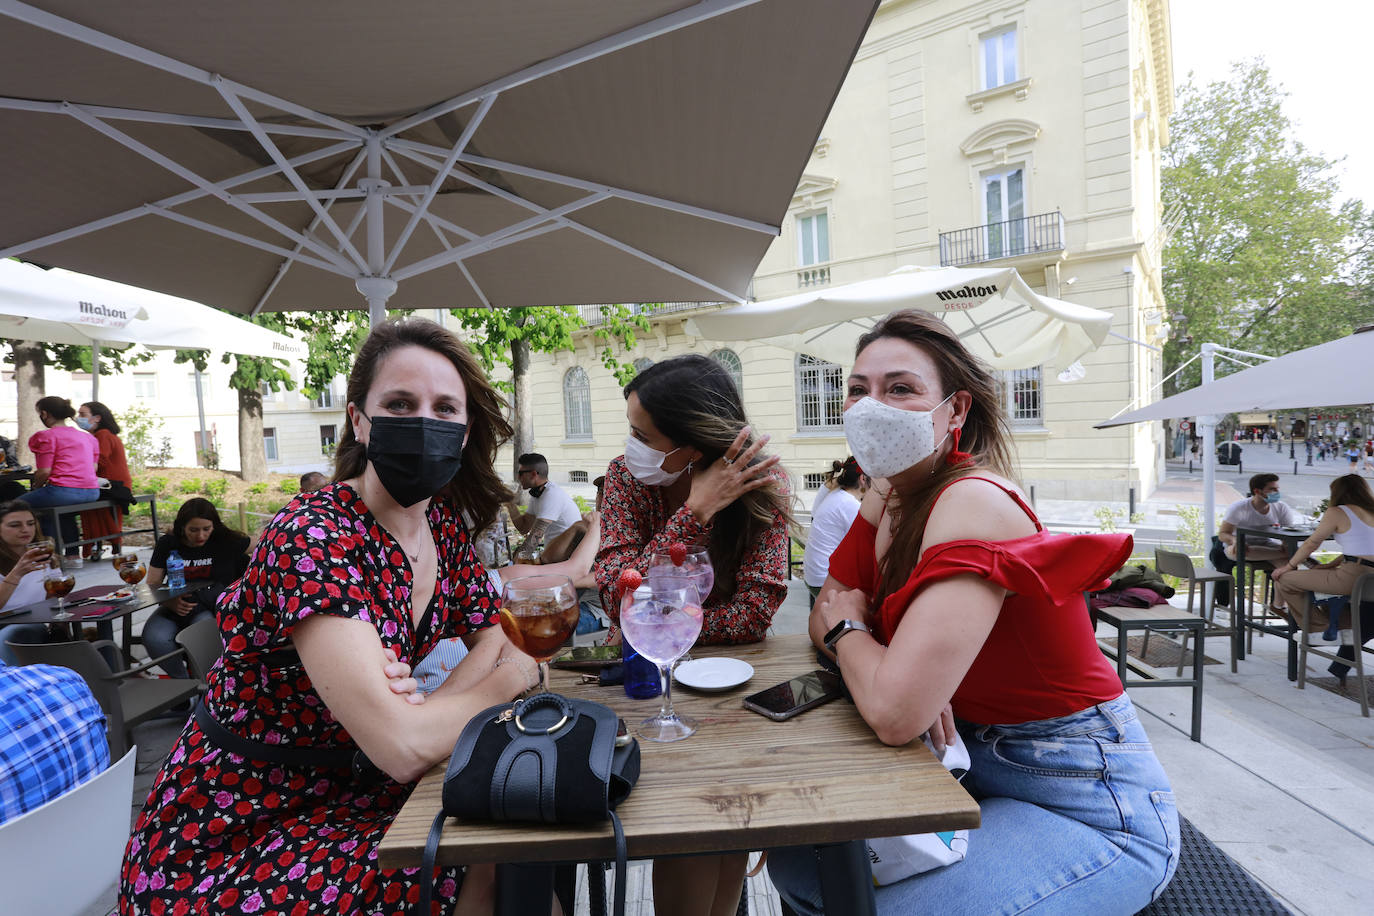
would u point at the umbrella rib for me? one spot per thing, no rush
(175, 200)
(221, 85)
(671, 22)
(581, 184)
(205, 184)
(285, 265)
(442, 173)
(112, 113)
(248, 240)
(591, 233)
(71, 29)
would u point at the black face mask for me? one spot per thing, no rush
(538, 491)
(414, 457)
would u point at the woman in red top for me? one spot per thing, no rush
(947, 590)
(691, 473)
(97, 419)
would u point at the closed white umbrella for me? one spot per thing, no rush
(994, 312)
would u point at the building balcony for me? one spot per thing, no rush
(1031, 236)
(592, 317)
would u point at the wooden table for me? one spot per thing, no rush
(1291, 538)
(742, 782)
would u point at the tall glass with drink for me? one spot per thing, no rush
(662, 626)
(538, 614)
(58, 583)
(690, 561)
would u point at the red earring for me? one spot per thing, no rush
(956, 457)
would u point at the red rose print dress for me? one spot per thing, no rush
(223, 834)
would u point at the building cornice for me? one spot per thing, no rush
(1162, 54)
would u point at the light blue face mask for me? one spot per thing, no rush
(1272, 498)
(85, 423)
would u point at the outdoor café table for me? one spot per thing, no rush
(1291, 539)
(99, 611)
(742, 782)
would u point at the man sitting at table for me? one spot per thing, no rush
(52, 736)
(551, 512)
(1263, 509)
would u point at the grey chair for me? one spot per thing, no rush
(1173, 563)
(203, 645)
(1362, 592)
(126, 699)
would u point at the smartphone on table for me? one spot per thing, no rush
(794, 697)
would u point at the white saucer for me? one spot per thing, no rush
(713, 674)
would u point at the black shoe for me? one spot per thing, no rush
(1340, 676)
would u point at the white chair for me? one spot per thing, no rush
(61, 857)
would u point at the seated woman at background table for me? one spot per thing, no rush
(690, 473)
(111, 466)
(264, 805)
(947, 590)
(1350, 520)
(24, 568)
(212, 552)
(64, 460)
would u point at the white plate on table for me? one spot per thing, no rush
(713, 674)
(118, 596)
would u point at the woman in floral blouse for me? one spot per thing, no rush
(692, 472)
(265, 805)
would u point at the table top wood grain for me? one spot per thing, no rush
(741, 782)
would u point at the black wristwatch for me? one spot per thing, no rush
(839, 629)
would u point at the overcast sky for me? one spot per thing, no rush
(1313, 49)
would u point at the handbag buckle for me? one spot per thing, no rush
(543, 699)
(506, 714)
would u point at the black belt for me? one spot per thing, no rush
(285, 754)
(1361, 560)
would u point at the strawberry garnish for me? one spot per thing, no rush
(630, 579)
(678, 553)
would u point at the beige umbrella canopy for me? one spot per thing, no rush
(260, 155)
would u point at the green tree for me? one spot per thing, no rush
(1261, 255)
(507, 336)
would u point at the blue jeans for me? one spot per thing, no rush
(160, 636)
(46, 497)
(1077, 817)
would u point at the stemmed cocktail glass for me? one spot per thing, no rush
(58, 583)
(684, 560)
(662, 627)
(538, 614)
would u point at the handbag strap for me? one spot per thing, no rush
(284, 754)
(436, 830)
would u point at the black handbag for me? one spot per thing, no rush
(547, 759)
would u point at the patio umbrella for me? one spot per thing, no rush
(1336, 373)
(992, 310)
(260, 155)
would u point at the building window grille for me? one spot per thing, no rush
(1023, 395)
(729, 360)
(577, 404)
(820, 394)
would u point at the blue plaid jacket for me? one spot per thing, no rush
(52, 736)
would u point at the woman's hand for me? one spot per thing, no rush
(180, 606)
(850, 604)
(1281, 571)
(399, 679)
(943, 733)
(33, 558)
(730, 477)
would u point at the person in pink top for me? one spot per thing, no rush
(64, 458)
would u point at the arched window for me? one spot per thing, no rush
(577, 404)
(820, 394)
(730, 362)
(642, 363)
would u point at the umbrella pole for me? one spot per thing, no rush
(1207, 429)
(95, 371)
(200, 409)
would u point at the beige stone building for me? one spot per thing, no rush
(1020, 132)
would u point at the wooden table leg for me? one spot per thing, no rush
(847, 880)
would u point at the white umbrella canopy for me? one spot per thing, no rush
(59, 306)
(993, 311)
(1337, 373)
(260, 155)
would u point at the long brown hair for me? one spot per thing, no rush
(694, 402)
(220, 533)
(476, 490)
(984, 433)
(7, 556)
(1352, 490)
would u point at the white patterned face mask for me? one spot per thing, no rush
(888, 440)
(645, 463)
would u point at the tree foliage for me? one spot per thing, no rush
(548, 329)
(1261, 258)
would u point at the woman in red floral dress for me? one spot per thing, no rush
(691, 472)
(375, 568)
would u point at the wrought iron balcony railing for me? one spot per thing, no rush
(1010, 238)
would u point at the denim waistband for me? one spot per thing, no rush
(1117, 713)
